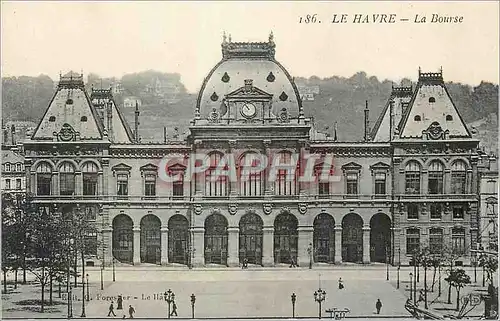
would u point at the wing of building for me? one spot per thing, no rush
(254, 180)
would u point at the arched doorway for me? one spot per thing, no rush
(251, 238)
(285, 238)
(380, 238)
(150, 239)
(324, 238)
(352, 238)
(216, 239)
(178, 239)
(123, 238)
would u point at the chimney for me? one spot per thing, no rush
(391, 119)
(136, 122)
(13, 135)
(367, 124)
(109, 112)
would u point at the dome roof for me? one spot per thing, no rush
(249, 61)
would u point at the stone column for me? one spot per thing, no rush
(366, 244)
(305, 238)
(137, 245)
(447, 181)
(424, 181)
(268, 246)
(107, 236)
(233, 246)
(78, 183)
(474, 189)
(468, 182)
(198, 237)
(396, 245)
(164, 245)
(338, 244)
(55, 183)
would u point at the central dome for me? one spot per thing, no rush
(248, 61)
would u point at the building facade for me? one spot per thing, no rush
(412, 182)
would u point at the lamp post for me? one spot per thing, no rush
(474, 262)
(88, 293)
(83, 298)
(310, 252)
(387, 262)
(70, 304)
(319, 296)
(114, 278)
(294, 299)
(193, 300)
(169, 297)
(411, 289)
(102, 281)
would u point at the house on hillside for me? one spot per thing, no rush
(130, 101)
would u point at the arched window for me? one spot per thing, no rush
(432, 100)
(67, 179)
(417, 118)
(83, 119)
(52, 118)
(285, 174)
(412, 178)
(215, 183)
(458, 177)
(436, 174)
(89, 175)
(7, 167)
(449, 117)
(250, 175)
(43, 179)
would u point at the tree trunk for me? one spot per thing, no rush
(433, 279)
(4, 281)
(42, 283)
(59, 288)
(50, 290)
(458, 298)
(425, 285)
(15, 279)
(439, 285)
(418, 273)
(76, 272)
(24, 264)
(83, 281)
(449, 286)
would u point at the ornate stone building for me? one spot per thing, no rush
(412, 182)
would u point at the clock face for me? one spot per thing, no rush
(248, 110)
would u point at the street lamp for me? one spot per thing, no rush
(310, 252)
(294, 298)
(83, 298)
(399, 267)
(88, 293)
(387, 262)
(319, 296)
(169, 297)
(193, 300)
(474, 262)
(411, 283)
(70, 303)
(114, 278)
(102, 281)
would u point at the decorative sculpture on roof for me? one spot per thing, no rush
(283, 116)
(434, 131)
(214, 116)
(67, 133)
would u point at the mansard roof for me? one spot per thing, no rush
(121, 132)
(400, 96)
(69, 108)
(431, 109)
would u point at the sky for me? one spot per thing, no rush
(115, 38)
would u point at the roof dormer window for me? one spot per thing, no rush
(417, 118)
(69, 101)
(449, 118)
(432, 100)
(52, 118)
(83, 119)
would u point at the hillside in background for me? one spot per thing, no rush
(166, 103)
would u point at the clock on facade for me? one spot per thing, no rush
(248, 110)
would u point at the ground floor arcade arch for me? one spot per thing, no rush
(285, 238)
(324, 238)
(150, 239)
(216, 239)
(178, 239)
(380, 238)
(251, 238)
(352, 238)
(123, 238)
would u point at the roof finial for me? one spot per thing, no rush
(271, 37)
(419, 71)
(441, 70)
(224, 37)
(229, 37)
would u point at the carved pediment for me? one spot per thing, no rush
(380, 166)
(149, 167)
(121, 168)
(249, 91)
(177, 167)
(351, 166)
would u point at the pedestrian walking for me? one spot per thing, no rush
(421, 296)
(111, 309)
(174, 309)
(119, 303)
(293, 264)
(131, 312)
(378, 305)
(341, 284)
